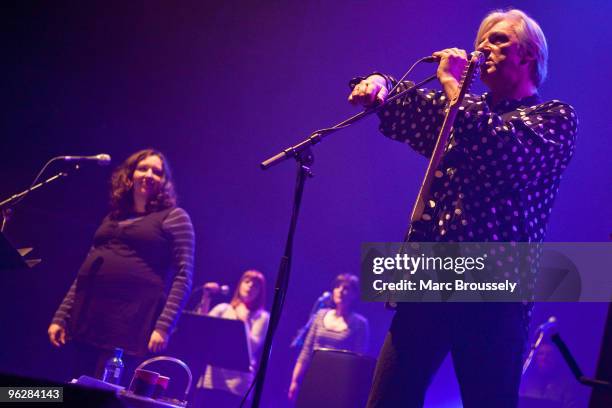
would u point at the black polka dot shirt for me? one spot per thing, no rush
(500, 172)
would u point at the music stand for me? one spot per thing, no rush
(201, 340)
(13, 259)
(336, 379)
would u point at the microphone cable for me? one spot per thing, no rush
(329, 129)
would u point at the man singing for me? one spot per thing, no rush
(497, 181)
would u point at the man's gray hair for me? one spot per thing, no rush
(531, 38)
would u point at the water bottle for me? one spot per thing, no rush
(113, 368)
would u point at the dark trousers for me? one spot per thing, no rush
(486, 342)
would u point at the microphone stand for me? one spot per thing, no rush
(575, 369)
(5, 206)
(304, 157)
(317, 136)
(298, 341)
(532, 350)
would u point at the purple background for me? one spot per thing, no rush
(220, 86)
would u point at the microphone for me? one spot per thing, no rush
(549, 324)
(324, 298)
(430, 59)
(480, 55)
(102, 159)
(540, 332)
(214, 288)
(321, 302)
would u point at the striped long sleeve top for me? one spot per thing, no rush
(136, 277)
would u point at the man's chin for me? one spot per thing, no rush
(488, 78)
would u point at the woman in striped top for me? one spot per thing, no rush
(339, 328)
(136, 278)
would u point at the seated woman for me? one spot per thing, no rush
(338, 328)
(220, 387)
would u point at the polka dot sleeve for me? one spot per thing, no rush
(519, 148)
(414, 119)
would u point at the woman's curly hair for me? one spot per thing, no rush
(122, 199)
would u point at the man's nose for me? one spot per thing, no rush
(484, 48)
